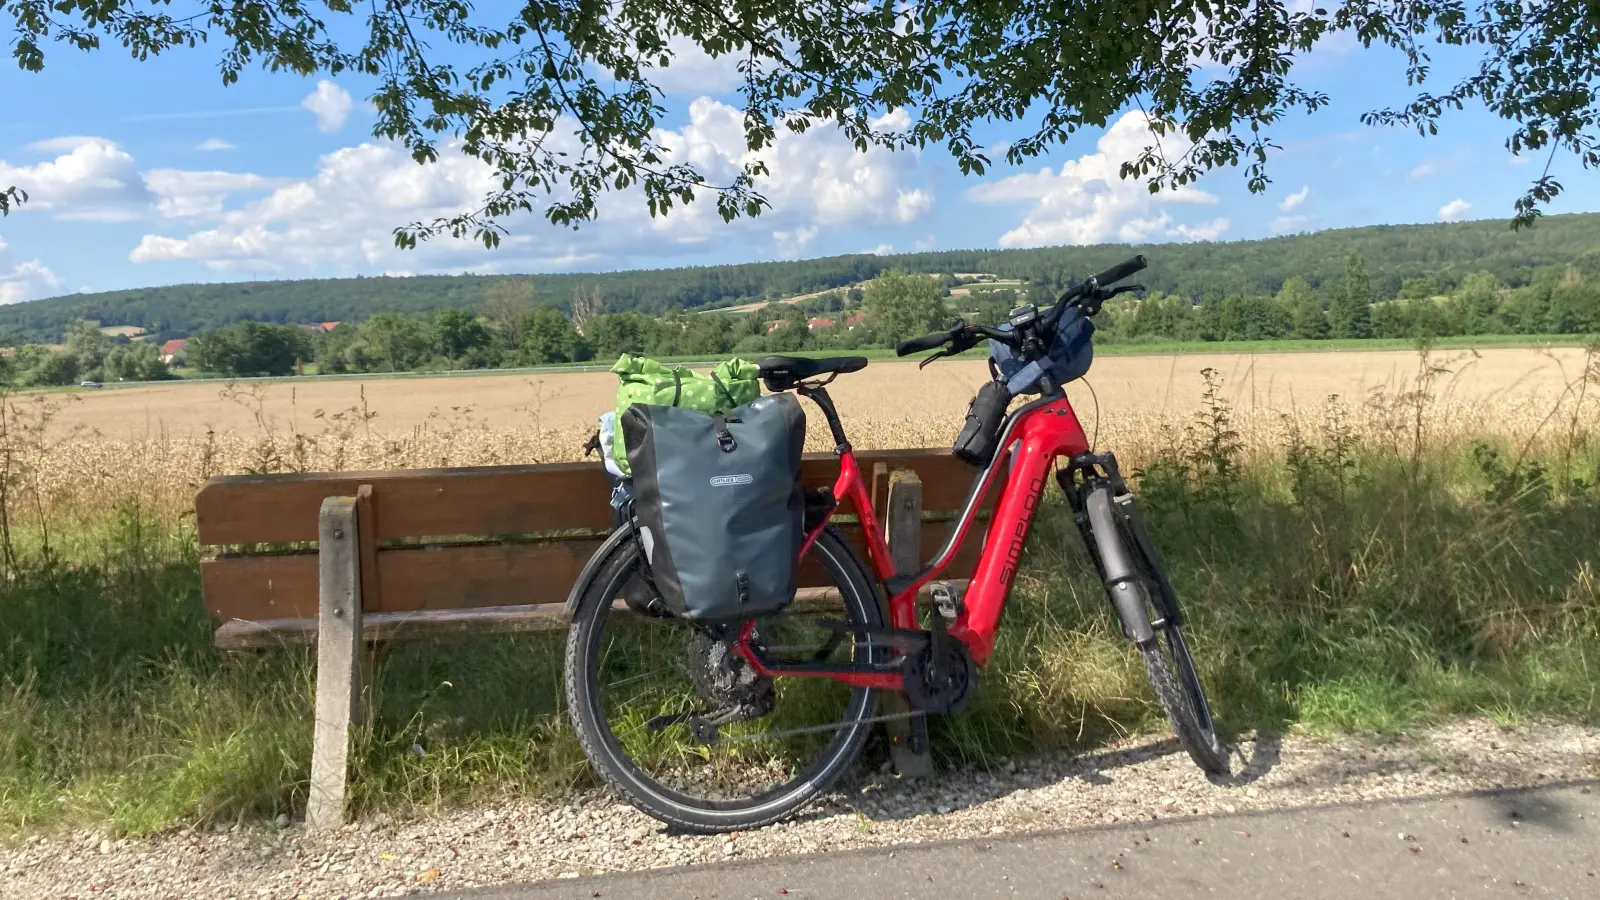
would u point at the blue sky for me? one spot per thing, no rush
(154, 173)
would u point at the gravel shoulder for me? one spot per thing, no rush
(589, 833)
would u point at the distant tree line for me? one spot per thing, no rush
(1555, 301)
(514, 329)
(87, 354)
(1207, 273)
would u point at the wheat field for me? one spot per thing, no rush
(931, 399)
(165, 440)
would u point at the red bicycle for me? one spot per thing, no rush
(725, 727)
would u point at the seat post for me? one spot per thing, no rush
(819, 395)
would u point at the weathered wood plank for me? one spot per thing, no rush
(903, 527)
(274, 634)
(903, 522)
(391, 627)
(255, 588)
(339, 648)
(487, 500)
(263, 588)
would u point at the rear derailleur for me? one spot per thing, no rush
(723, 679)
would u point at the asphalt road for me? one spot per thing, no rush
(1541, 843)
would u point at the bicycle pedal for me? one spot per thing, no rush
(946, 601)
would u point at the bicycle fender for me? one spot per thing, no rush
(592, 567)
(1123, 586)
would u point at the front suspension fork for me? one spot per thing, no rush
(1101, 502)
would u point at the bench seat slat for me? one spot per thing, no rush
(240, 634)
(268, 634)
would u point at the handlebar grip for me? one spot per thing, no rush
(1120, 271)
(926, 342)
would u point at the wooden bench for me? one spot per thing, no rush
(349, 558)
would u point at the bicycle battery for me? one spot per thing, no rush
(986, 412)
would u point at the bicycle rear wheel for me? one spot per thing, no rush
(684, 730)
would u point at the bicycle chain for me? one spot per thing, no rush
(813, 729)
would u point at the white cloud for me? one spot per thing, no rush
(912, 205)
(331, 105)
(1208, 230)
(26, 280)
(925, 244)
(1088, 202)
(182, 194)
(893, 120)
(1291, 224)
(1433, 165)
(1425, 169)
(91, 180)
(1455, 210)
(880, 250)
(792, 243)
(94, 180)
(1296, 199)
(64, 144)
(211, 145)
(1518, 160)
(694, 72)
(341, 220)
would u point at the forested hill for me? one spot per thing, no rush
(1200, 271)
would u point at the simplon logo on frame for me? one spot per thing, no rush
(727, 480)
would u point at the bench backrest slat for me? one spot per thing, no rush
(279, 509)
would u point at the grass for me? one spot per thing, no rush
(1368, 569)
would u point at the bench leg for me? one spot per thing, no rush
(908, 738)
(339, 660)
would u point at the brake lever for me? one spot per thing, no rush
(961, 340)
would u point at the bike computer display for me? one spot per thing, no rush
(1023, 315)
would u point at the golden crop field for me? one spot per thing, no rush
(164, 440)
(931, 401)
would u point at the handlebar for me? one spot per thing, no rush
(961, 337)
(964, 336)
(926, 342)
(1121, 270)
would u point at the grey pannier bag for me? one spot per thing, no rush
(719, 503)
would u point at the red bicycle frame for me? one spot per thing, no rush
(1031, 440)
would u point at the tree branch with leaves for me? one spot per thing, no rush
(11, 196)
(561, 98)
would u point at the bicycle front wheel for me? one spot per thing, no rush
(677, 723)
(1166, 657)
